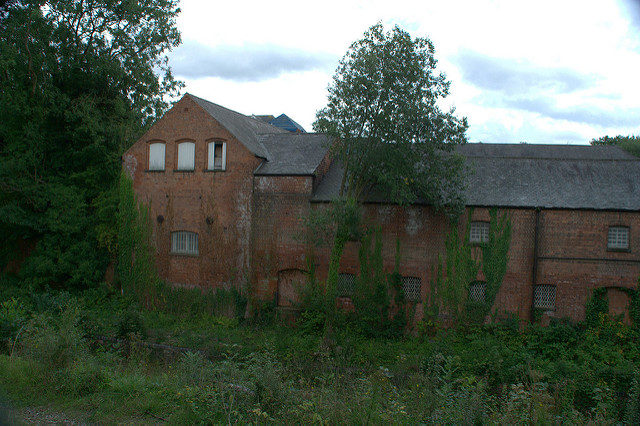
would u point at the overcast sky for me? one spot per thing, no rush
(536, 71)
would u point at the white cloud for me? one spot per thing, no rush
(589, 48)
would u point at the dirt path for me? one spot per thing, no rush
(42, 416)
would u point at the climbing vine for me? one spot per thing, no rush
(453, 274)
(460, 266)
(136, 266)
(597, 306)
(495, 255)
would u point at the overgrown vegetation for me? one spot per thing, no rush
(390, 135)
(240, 373)
(457, 270)
(79, 82)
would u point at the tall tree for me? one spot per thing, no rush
(391, 134)
(79, 80)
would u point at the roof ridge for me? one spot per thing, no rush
(278, 130)
(515, 157)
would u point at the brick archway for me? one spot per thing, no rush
(619, 303)
(290, 283)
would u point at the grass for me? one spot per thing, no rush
(247, 373)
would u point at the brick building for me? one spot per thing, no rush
(227, 194)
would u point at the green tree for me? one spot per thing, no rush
(79, 81)
(390, 132)
(631, 144)
(391, 136)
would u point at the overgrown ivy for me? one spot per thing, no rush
(459, 267)
(597, 306)
(136, 268)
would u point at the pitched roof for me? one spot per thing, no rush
(548, 176)
(293, 153)
(244, 128)
(284, 122)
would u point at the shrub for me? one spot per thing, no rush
(55, 342)
(12, 317)
(130, 322)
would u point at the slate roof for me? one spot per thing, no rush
(547, 176)
(293, 153)
(244, 128)
(284, 122)
(285, 153)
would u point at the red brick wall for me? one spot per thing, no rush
(251, 228)
(280, 203)
(571, 248)
(575, 258)
(187, 199)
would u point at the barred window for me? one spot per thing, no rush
(186, 156)
(618, 238)
(156, 156)
(217, 156)
(477, 291)
(346, 285)
(479, 232)
(544, 297)
(184, 242)
(411, 288)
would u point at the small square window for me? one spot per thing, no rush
(186, 156)
(156, 156)
(346, 285)
(479, 232)
(184, 242)
(411, 288)
(217, 156)
(477, 291)
(618, 238)
(544, 297)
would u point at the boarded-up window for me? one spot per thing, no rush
(544, 297)
(477, 291)
(184, 242)
(290, 285)
(156, 156)
(479, 232)
(217, 156)
(186, 156)
(618, 238)
(411, 288)
(346, 285)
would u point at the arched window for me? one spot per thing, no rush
(156, 156)
(217, 156)
(186, 156)
(184, 242)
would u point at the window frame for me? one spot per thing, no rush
(405, 281)
(340, 285)
(481, 241)
(187, 251)
(164, 156)
(182, 143)
(483, 285)
(555, 297)
(213, 168)
(619, 249)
